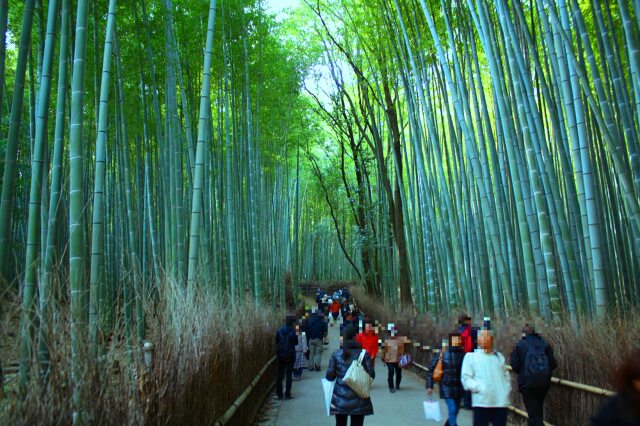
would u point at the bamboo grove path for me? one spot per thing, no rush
(401, 408)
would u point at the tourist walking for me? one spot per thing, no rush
(316, 330)
(286, 341)
(451, 389)
(623, 409)
(392, 351)
(344, 401)
(485, 374)
(368, 339)
(532, 360)
(469, 336)
(345, 310)
(301, 354)
(335, 309)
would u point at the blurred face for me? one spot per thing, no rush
(485, 340)
(368, 328)
(467, 323)
(456, 341)
(636, 385)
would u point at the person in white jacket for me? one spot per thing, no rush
(485, 374)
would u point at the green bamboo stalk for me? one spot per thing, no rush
(197, 211)
(35, 200)
(11, 154)
(96, 280)
(79, 311)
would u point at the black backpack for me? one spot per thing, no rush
(537, 372)
(284, 348)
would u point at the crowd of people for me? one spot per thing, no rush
(471, 374)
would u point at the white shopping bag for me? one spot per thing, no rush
(328, 392)
(432, 410)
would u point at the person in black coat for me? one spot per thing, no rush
(532, 389)
(623, 409)
(345, 402)
(286, 341)
(451, 389)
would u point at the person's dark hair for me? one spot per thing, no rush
(350, 347)
(462, 318)
(289, 320)
(528, 328)
(627, 372)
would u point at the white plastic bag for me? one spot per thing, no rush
(432, 410)
(327, 386)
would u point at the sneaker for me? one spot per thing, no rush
(317, 368)
(280, 397)
(392, 390)
(288, 397)
(397, 387)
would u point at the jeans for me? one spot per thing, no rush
(453, 406)
(315, 353)
(284, 366)
(482, 416)
(534, 403)
(394, 367)
(356, 420)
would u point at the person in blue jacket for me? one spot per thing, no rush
(316, 330)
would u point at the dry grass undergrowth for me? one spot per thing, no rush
(206, 353)
(587, 353)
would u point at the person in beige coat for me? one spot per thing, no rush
(392, 350)
(485, 374)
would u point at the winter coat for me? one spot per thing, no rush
(316, 327)
(519, 354)
(301, 349)
(393, 349)
(335, 307)
(469, 337)
(487, 377)
(619, 410)
(286, 332)
(369, 342)
(344, 400)
(451, 384)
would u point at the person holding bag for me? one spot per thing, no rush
(345, 401)
(451, 389)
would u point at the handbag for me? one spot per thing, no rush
(438, 372)
(405, 361)
(357, 377)
(432, 410)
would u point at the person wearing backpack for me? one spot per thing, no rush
(532, 359)
(485, 374)
(345, 402)
(286, 341)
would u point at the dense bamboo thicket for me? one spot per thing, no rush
(487, 149)
(478, 155)
(168, 167)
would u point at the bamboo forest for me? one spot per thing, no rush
(179, 175)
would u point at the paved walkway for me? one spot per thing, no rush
(401, 408)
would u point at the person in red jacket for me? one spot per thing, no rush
(368, 339)
(335, 309)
